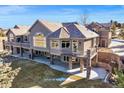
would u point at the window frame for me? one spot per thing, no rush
(65, 42)
(54, 44)
(66, 58)
(77, 43)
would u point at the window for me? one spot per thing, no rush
(65, 44)
(66, 58)
(11, 37)
(39, 40)
(55, 44)
(18, 39)
(75, 45)
(25, 38)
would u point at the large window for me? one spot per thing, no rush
(55, 44)
(65, 44)
(75, 45)
(39, 40)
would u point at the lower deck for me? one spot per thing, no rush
(64, 60)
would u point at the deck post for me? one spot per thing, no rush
(51, 60)
(88, 64)
(70, 63)
(11, 49)
(81, 64)
(31, 54)
(21, 51)
(97, 53)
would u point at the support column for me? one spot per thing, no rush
(10, 50)
(96, 54)
(70, 63)
(81, 65)
(31, 54)
(88, 64)
(51, 60)
(21, 51)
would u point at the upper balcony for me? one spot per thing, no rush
(18, 44)
(7, 43)
(25, 45)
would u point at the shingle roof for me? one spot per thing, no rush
(95, 26)
(73, 31)
(60, 33)
(69, 23)
(22, 30)
(51, 25)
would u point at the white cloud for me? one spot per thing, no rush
(5, 10)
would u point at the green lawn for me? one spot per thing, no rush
(34, 74)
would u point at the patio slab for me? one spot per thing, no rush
(96, 73)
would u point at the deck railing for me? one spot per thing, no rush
(17, 44)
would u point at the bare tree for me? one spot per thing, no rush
(84, 17)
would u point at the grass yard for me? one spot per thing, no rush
(33, 74)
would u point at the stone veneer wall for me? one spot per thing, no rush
(105, 60)
(107, 57)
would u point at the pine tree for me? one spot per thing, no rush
(120, 79)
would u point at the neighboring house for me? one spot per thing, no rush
(18, 40)
(3, 38)
(103, 29)
(65, 43)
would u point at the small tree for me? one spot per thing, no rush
(120, 79)
(121, 34)
(84, 18)
(113, 29)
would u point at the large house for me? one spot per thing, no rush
(104, 31)
(65, 43)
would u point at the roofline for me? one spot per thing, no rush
(33, 25)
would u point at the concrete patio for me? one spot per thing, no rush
(96, 73)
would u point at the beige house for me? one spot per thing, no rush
(71, 44)
(3, 38)
(103, 29)
(18, 40)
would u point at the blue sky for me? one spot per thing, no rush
(26, 15)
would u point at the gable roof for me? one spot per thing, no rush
(60, 33)
(73, 31)
(52, 26)
(95, 26)
(69, 23)
(20, 30)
